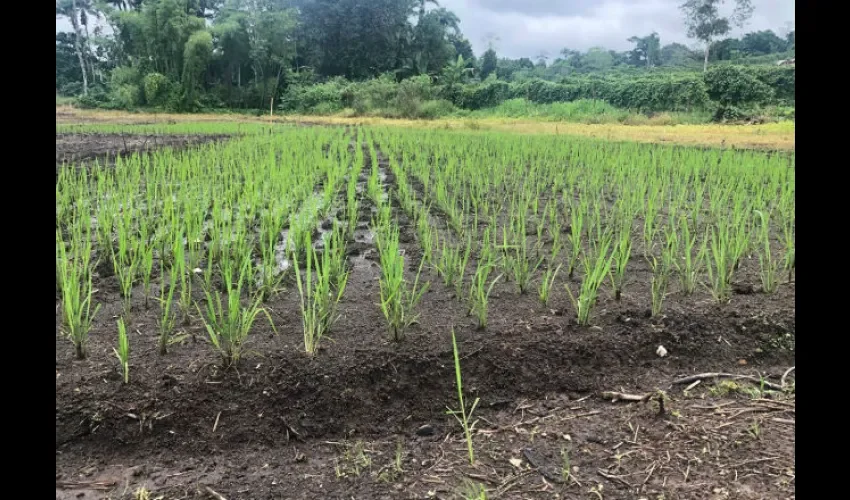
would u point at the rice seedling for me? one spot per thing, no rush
(596, 267)
(768, 266)
(184, 277)
(470, 490)
(126, 263)
(319, 296)
(427, 237)
(479, 293)
(661, 275)
(577, 218)
(453, 263)
(146, 271)
(689, 265)
(650, 221)
(739, 242)
(122, 352)
(547, 281)
(462, 415)
(620, 258)
(227, 320)
(77, 299)
(720, 264)
(269, 271)
(354, 460)
(517, 261)
(566, 468)
(398, 297)
(789, 260)
(336, 263)
(167, 318)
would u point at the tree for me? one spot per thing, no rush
(676, 54)
(230, 33)
(571, 58)
(488, 63)
(762, 42)
(67, 64)
(725, 50)
(463, 48)
(431, 46)
(196, 56)
(704, 22)
(421, 12)
(647, 51)
(70, 9)
(541, 58)
(597, 59)
(356, 39)
(454, 75)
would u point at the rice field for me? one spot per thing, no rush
(266, 310)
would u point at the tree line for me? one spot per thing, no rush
(191, 54)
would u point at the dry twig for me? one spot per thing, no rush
(703, 376)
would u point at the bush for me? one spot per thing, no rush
(125, 96)
(781, 79)
(411, 94)
(302, 98)
(325, 108)
(484, 95)
(124, 75)
(734, 86)
(71, 89)
(729, 113)
(157, 88)
(88, 101)
(435, 109)
(367, 96)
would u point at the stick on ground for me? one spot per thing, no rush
(622, 396)
(703, 376)
(215, 494)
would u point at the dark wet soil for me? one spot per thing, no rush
(366, 417)
(77, 148)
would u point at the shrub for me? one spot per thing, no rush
(124, 75)
(781, 79)
(325, 108)
(71, 89)
(435, 109)
(735, 86)
(157, 88)
(125, 96)
(411, 94)
(366, 96)
(484, 95)
(302, 98)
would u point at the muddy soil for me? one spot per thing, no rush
(77, 148)
(366, 417)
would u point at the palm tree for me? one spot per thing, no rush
(454, 75)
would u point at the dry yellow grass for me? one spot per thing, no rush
(768, 136)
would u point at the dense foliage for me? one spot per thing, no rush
(405, 58)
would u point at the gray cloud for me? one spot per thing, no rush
(527, 27)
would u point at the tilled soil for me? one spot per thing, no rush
(77, 148)
(366, 417)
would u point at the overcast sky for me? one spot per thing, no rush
(527, 27)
